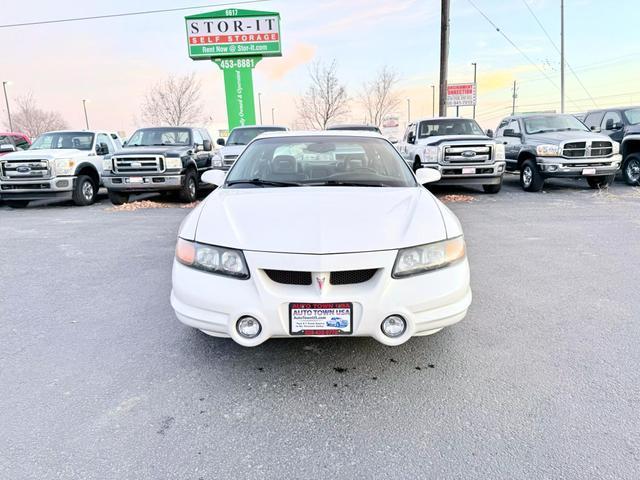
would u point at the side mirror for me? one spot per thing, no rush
(510, 132)
(124, 144)
(7, 147)
(609, 124)
(411, 138)
(427, 175)
(206, 145)
(214, 177)
(220, 142)
(489, 133)
(102, 149)
(617, 125)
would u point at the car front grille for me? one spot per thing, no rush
(228, 160)
(141, 164)
(344, 277)
(24, 169)
(467, 154)
(584, 149)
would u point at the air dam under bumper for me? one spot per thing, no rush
(484, 174)
(149, 183)
(214, 303)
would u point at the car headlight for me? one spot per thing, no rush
(65, 166)
(548, 150)
(173, 162)
(500, 151)
(107, 164)
(425, 258)
(216, 161)
(430, 155)
(212, 259)
(616, 148)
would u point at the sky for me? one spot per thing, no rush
(113, 62)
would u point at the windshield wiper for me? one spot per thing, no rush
(261, 183)
(234, 143)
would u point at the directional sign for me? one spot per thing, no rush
(461, 94)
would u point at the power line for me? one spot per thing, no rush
(558, 50)
(126, 14)
(549, 79)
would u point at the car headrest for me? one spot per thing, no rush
(283, 164)
(67, 142)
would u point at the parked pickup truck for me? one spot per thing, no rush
(542, 146)
(12, 142)
(458, 148)
(162, 159)
(238, 139)
(622, 124)
(62, 164)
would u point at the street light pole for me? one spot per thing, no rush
(433, 100)
(444, 56)
(273, 116)
(408, 111)
(260, 106)
(561, 56)
(86, 118)
(475, 68)
(6, 99)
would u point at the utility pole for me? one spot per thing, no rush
(475, 85)
(561, 56)
(444, 56)
(515, 95)
(408, 111)
(260, 106)
(86, 118)
(273, 116)
(433, 100)
(6, 99)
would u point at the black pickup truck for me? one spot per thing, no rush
(161, 159)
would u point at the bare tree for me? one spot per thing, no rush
(326, 98)
(28, 118)
(174, 101)
(378, 96)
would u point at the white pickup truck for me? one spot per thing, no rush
(458, 148)
(62, 165)
(237, 141)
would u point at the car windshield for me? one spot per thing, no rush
(449, 126)
(320, 161)
(633, 115)
(553, 123)
(242, 136)
(147, 137)
(64, 140)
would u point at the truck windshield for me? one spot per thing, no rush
(553, 123)
(64, 140)
(448, 126)
(242, 136)
(148, 137)
(633, 116)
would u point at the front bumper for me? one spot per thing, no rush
(143, 183)
(564, 167)
(214, 303)
(482, 174)
(56, 187)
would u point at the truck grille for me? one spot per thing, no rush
(142, 164)
(467, 154)
(228, 160)
(24, 169)
(583, 149)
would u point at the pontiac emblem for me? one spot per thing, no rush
(320, 281)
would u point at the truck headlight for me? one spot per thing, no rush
(615, 148)
(212, 259)
(500, 152)
(216, 161)
(173, 162)
(64, 166)
(107, 164)
(425, 258)
(547, 150)
(431, 154)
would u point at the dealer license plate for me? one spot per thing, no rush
(135, 180)
(468, 170)
(588, 171)
(320, 318)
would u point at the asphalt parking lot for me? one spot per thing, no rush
(541, 380)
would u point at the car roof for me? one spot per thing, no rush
(612, 109)
(321, 133)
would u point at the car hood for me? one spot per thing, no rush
(170, 150)
(320, 220)
(232, 150)
(47, 154)
(438, 139)
(566, 136)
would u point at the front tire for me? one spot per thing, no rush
(85, 191)
(118, 198)
(189, 189)
(531, 180)
(17, 203)
(494, 188)
(631, 170)
(602, 181)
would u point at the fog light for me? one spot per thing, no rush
(62, 183)
(393, 326)
(552, 168)
(249, 327)
(500, 168)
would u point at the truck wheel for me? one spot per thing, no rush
(631, 170)
(189, 189)
(601, 181)
(118, 198)
(84, 191)
(17, 203)
(495, 188)
(530, 178)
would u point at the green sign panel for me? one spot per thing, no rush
(236, 40)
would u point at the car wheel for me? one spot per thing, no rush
(631, 170)
(495, 188)
(84, 191)
(17, 203)
(118, 198)
(189, 189)
(530, 178)
(602, 181)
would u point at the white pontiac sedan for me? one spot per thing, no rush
(320, 234)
